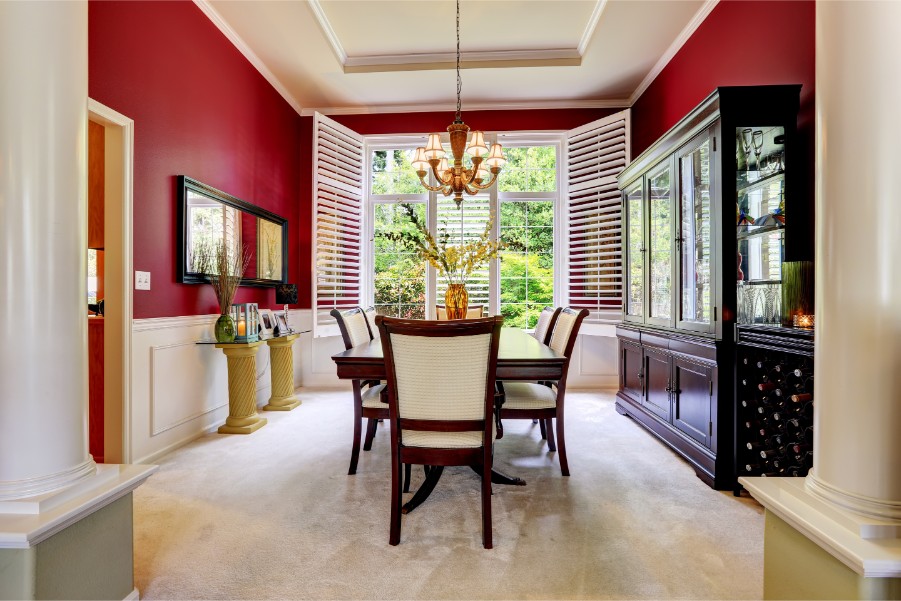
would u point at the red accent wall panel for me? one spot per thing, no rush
(740, 43)
(202, 110)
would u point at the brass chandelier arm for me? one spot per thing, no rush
(478, 186)
(422, 175)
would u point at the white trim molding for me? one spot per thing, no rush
(249, 54)
(591, 26)
(674, 48)
(328, 32)
(614, 103)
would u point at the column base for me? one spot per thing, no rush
(814, 549)
(242, 428)
(282, 404)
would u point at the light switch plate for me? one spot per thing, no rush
(142, 280)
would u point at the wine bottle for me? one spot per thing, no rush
(801, 397)
(800, 448)
(769, 453)
(753, 446)
(766, 386)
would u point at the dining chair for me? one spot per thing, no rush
(368, 404)
(546, 320)
(472, 312)
(370, 322)
(440, 379)
(544, 401)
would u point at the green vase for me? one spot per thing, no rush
(225, 329)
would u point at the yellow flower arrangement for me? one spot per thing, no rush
(454, 262)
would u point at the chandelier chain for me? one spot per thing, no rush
(459, 79)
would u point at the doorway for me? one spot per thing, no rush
(114, 135)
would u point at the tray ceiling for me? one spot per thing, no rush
(380, 55)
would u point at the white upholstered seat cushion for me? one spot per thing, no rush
(372, 397)
(444, 440)
(527, 395)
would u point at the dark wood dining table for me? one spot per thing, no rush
(519, 357)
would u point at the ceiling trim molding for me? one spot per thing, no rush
(588, 34)
(236, 40)
(487, 106)
(468, 60)
(677, 44)
(328, 32)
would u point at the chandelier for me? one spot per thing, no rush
(455, 179)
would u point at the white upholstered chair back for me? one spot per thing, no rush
(441, 378)
(544, 322)
(566, 321)
(474, 311)
(440, 313)
(370, 321)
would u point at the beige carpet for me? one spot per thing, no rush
(274, 515)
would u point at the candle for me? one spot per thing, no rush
(242, 328)
(804, 321)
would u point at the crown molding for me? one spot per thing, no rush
(328, 32)
(468, 60)
(486, 106)
(677, 44)
(236, 40)
(591, 26)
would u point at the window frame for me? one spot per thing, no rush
(372, 143)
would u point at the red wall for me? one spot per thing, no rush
(740, 43)
(200, 109)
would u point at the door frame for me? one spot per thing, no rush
(118, 210)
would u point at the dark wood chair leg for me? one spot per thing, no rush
(548, 427)
(561, 441)
(543, 427)
(358, 427)
(487, 539)
(396, 499)
(407, 472)
(370, 433)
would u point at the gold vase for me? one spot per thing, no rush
(456, 301)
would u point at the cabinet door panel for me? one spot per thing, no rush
(692, 399)
(695, 236)
(631, 373)
(660, 246)
(635, 252)
(657, 373)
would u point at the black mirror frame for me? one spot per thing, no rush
(184, 276)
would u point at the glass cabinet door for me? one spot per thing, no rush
(694, 239)
(660, 246)
(634, 305)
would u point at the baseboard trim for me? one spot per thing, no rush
(134, 595)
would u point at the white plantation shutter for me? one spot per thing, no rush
(337, 221)
(465, 224)
(596, 154)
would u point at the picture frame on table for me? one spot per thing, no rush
(282, 328)
(267, 323)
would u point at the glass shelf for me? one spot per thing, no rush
(751, 231)
(750, 184)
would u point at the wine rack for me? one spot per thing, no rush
(774, 402)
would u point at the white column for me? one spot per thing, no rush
(857, 461)
(43, 171)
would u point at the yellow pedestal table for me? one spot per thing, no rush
(281, 358)
(242, 388)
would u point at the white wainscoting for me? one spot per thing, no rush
(180, 388)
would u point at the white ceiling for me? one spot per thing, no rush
(343, 56)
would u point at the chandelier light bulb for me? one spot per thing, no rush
(420, 162)
(433, 149)
(442, 167)
(496, 159)
(477, 146)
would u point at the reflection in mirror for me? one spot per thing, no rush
(208, 217)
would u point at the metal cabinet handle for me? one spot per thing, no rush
(669, 387)
(640, 375)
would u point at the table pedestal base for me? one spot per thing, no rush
(281, 358)
(242, 388)
(242, 426)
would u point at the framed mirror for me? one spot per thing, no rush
(207, 216)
